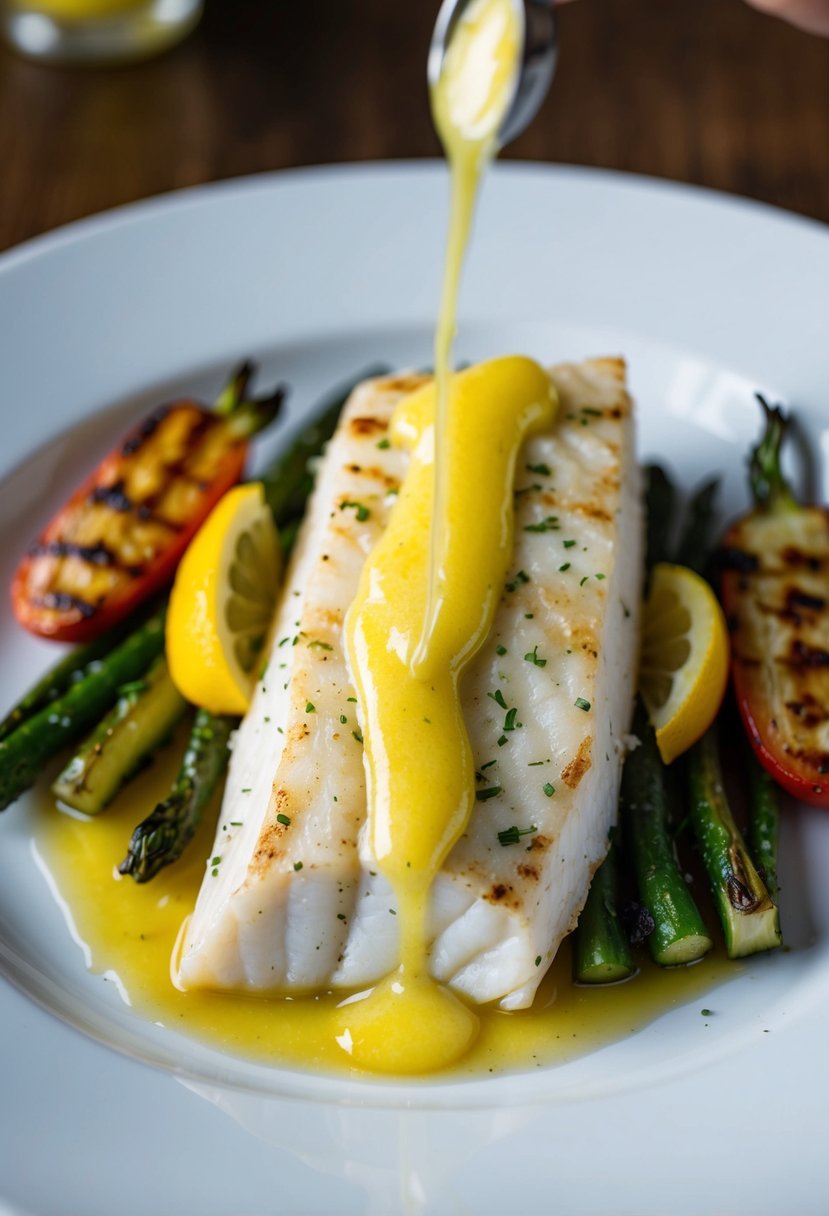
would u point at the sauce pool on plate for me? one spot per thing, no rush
(129, 931)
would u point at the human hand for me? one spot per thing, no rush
(812, 15)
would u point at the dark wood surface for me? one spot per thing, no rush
(704, 91)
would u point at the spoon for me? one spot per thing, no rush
(538, 60)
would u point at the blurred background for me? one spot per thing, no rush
(702, 91)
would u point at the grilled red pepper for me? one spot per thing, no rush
(120, 536)
(775, 590)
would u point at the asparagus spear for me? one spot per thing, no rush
(289, 481)
(162, 837)
(24, 752)
(602, 953)
(144, 715)
(679, 934)
(660, 498)
(749, 916)
(66, 672)
(763, 823)
(695, 543)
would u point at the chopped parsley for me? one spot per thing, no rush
(343, 719)
(509, 720)
(550, 524)
(580, 703)
(500, 650)
(568, 544)
(384, 443)
(310, 707)
(285, 820)
(485, 795)
(361, 510)
(317, 645)
(532, 657)
(358, 735)
(564, 566)
(297, 865)
(513, 835)
(521, 577)
(549, 790)
(498, 698)
(542, 469)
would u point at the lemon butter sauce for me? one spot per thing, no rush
(412, 711)
(425, 604)
(129, 930)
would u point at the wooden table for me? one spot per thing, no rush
(704, 91)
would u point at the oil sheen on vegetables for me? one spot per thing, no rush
(430, 585)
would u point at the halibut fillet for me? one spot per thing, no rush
(296, 902)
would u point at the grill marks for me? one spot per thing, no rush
(96, 555)
(144, 495)
(775, 573)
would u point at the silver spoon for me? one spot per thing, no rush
(537, 66)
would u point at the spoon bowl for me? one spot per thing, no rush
(538, 59)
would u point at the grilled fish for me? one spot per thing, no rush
(295, 902)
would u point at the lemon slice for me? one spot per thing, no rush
(683, 668)
(223, 601)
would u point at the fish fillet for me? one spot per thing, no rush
(296, 902)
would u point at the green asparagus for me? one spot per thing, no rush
(660, 498)
(694, 548)
(763, 822)
(162, 837)
(66, 672)
(67, 718)
(602, 952)
(244, 415)
(144, 715)
(749, 916)
(289, 481)
(679, 934)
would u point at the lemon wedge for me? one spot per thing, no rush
(223, 601)
(683, 667)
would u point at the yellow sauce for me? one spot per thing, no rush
(429, 589)
(469, 100)
(130, 930)
(409, 713)
(425, 604)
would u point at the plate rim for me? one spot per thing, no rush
(148, 210)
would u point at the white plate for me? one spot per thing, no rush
(315, 274)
